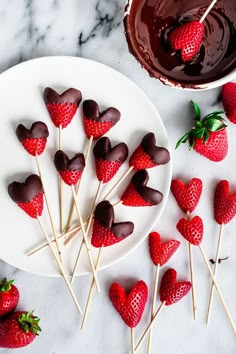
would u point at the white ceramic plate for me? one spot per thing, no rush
(21, 89)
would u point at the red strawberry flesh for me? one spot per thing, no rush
(229, 100)
(191, 230)
(9, 297)
(187, 195)
(160, 253)
(224, 203)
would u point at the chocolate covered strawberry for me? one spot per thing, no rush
(28, 195)
(138, 194)
(224, 203)
(148, 155)
(108, 160)
(191, 230)
(187, 39)
(208, 137)
(187, 195)
(130, 305)
(19, 330)
(34, 139)
(62, 107)
(229, 100)
(70, 170)
(161, 252)
(9, 296)
(172, 291)
(105, 232)
(97, 123)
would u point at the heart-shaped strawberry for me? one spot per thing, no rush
(98, 123)
(187, 195)
(28, 195)
(62, 108)
(224, 203)
(161, 252)
(191, 230)
(107, 159)
(148, 155)
(138, 194)
(105, 231)
(33, 139)
(70, 170)
(130, 306)
(187, 38)
(172, 291)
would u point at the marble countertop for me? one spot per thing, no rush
(94, 29)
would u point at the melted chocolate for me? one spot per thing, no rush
(69, 96)
(149, 24)
(104, 213)
(63, 163)
(26, 191)
(91, 111)
(158, 155)
(140, 180)
(103, 150)
(37, 130)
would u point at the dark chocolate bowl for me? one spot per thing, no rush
(147, 27)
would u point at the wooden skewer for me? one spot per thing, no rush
(117, 184)
(215, 272)
(60, 183)
(91, 290)
(59, 265)
(78, 256)
(48, 207)
(207, 11)
(87, 229)
(72, 209)
(154, 299)
(85, 239)
(217, 289)
(150, 325)
(192, 275)
(132, 341)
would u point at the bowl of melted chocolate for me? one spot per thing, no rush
(148, 24)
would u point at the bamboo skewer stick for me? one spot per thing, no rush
(207, 11)
(60, 184)
(132, 341)
(117, 184)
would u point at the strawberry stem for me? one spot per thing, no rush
(29, 322)
(5, 285)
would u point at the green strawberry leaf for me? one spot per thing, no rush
(206, 136)
(197, 110)
(216, 113)
(199, 132)
(182, 140)
(214, 124)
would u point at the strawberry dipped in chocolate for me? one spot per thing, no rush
(97, 123)
(70, 170)
(62, 107)
(33, 139)
(138, 194)
(108, 160)
(28, 195)
(105, 231)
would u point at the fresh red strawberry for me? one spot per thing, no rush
(187, 195)
(187, 39)
(191, 230)
(172, 291)
(138, 194)
(161, 252)
(19, 329)
(148, 155)
(130, 306)
(9, 296)
(34, 139)
(70, 170)
(229, 100)
(105, 232)
(208, 137)
(98, 123)
(224, 203)
(107, 159)
(62, 108)
(28, 195)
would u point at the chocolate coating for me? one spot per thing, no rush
(26, 191)
(69, 96)
(63, 163)
(104, 213)
(149, 23)
(140, 180)
(103, 150)
(91, 111)
(37, 130)
(159, 155)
